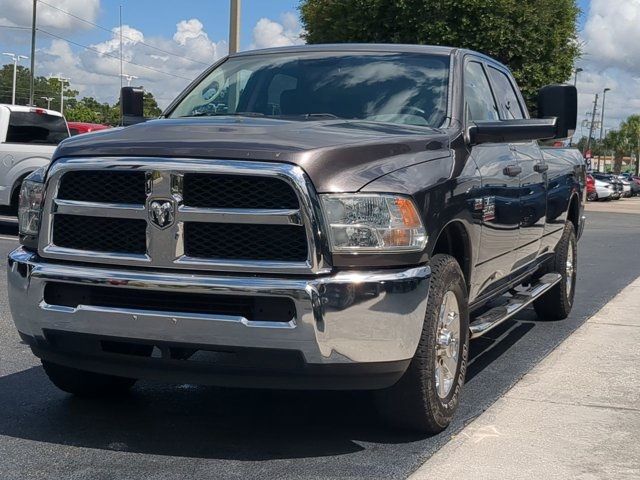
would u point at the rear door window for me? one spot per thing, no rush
(37, 128)
(506, 95)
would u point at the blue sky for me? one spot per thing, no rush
(146, 15)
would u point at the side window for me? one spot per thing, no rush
(506, 94)
(480, 104)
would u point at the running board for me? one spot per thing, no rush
(494, 317)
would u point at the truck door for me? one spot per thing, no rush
(498, 200)
(533, 188)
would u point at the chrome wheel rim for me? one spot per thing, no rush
(569, 270)
(447, 344)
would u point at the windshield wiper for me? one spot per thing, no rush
(309, 116)
(215, 114)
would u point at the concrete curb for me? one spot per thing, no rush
(575, 415)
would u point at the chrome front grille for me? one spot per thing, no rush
(188, 214)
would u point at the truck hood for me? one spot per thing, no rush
(338, 155)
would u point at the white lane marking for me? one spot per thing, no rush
(2, 237)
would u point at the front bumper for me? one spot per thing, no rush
(350, 330)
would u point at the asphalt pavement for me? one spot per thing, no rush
(183, 431)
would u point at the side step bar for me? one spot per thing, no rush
(494, 317)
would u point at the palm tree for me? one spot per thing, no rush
(617, 142)
(631, 130)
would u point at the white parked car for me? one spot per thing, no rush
(626, 187)
(603, 190)
(28, 138)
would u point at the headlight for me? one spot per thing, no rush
(373, 223)
(30, 206)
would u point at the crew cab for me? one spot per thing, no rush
(315, 217)
(28, 138)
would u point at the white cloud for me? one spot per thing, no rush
(164, 65)
(611, 59)
(268, 33)
(19, 12)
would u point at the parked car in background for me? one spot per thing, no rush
(28, 137)
(76, 128)
(626, 187)
(604, 190)
(592, 195)
(634, 182)
(618, 188)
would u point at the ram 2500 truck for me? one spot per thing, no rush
(28, 138)
(317, 217)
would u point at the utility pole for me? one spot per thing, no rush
(48, 100)
(62, 81)
(129, 78)
(593, 120)
(604, 96)
(16, 59)
(33, 53)
(234, 27)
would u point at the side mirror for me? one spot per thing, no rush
(132, 105)
(560, 101)
(512, 130)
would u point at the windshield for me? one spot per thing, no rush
(36, 127)
(384, 87)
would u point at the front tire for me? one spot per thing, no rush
(425, 399)
(556, 303)
(86, 384)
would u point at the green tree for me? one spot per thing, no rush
(43, 87)
(630, 128)
(150, 106)
(616, 142)
(537, 39)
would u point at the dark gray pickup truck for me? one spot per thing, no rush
(319, 217)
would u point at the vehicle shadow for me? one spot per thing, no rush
(208, 422)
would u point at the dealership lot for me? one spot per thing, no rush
(168, 432)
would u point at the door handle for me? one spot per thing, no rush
(512, 170)
(541, 167)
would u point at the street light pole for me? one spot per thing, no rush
(129, 78)
(33, 53)
(575, 77)
(234, 27)
(62, 81)
(16, 59)
(48, 100)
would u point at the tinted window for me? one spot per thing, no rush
(506, 95)
(477, 94)
(392, 87)
(32, 127)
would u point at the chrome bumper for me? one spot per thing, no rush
(383, 325)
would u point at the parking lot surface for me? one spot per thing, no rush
(183, 431)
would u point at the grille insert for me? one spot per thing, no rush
(246, 241)
(272, 309)
(120, 235)
(236, 191)
(103, 187)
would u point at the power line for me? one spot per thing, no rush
(88, 22)
(15, 26)
(86, 47)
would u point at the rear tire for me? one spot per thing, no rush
(556, 303)
(426, 397)
(86, 384)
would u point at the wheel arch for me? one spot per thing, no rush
(454, 239)
(573, 212)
